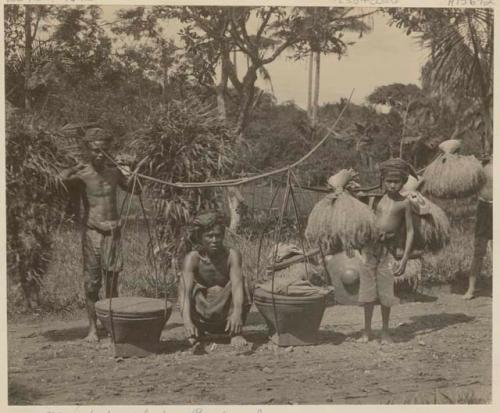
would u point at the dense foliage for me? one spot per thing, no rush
(34, 201)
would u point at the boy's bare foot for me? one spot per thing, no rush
(239, 342)
(385, 338)
(469, 295)
(365, 337)
(92, 337)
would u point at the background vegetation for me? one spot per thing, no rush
(181, 104)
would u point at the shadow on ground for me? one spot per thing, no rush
(70, 334)
(428, 323)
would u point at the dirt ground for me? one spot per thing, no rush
(442, 351)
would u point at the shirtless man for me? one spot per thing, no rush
(483, 229)
(212, 293)
(393, 213)
(98, 182)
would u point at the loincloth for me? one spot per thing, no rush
(101, 253)
(211, 306)
(484, 220)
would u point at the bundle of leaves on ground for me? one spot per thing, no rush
(183, 141)
(34, 201)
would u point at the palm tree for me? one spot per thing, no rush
(324, 30)
(461, 58)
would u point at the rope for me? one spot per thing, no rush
(113, 279)
(246, 180)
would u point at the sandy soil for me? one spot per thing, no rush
(442, 350)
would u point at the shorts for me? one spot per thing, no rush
(101, 253)
(376, 284)
(484, 220)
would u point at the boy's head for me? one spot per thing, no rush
(97, 142)
(394, 174)
(208, 229)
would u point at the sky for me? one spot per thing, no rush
(385, 55)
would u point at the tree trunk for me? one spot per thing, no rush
(314, 118)
(235, 201)
(310, 84)
(221, 91)
(28, 46)
(488, 130)
(246, 99)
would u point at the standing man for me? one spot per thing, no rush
(102, 257)
(483, 230)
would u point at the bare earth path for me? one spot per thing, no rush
(441, 343)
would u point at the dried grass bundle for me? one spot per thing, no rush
(339, 221)
(453, 176)
(434, 228)
(412, 276)
(431, 224)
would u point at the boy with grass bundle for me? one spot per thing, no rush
(393, 213)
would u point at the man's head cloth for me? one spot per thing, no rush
(204, 222)
(397, 168)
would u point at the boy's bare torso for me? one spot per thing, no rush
(390, 215)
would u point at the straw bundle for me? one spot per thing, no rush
(339, 221)
(412, 276)
(453, 176)
(431, 225)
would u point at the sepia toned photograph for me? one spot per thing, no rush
(248, 205)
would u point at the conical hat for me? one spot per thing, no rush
(344, 273)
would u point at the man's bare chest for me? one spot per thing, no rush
(212, 273)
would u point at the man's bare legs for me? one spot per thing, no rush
(480, 246)
(386, 312)
(367, 333)
(91, 299)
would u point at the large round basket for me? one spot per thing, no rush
(137, 321)
(292, 321)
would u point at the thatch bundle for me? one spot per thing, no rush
(338, 221)
(431, 225)
(412, 276)
(453, 176)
